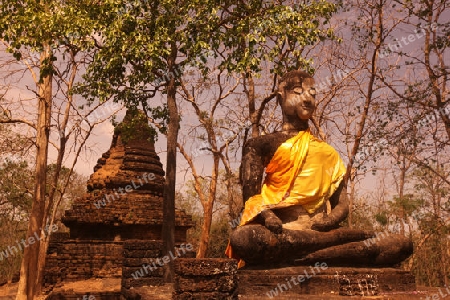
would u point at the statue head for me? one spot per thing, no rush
(296, 96)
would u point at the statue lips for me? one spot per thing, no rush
(305, 112)
(308, 107)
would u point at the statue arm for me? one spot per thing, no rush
(257, 153)
(339, 211)
(251, 171)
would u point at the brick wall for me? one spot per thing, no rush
(72, 260)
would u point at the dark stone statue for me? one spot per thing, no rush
(283, 232)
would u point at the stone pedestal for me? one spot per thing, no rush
(205, 279)
(320, 280)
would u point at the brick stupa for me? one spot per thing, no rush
(116, 226)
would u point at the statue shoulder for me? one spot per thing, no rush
(266, 143)
(323, 147)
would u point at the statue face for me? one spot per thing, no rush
(299, 98)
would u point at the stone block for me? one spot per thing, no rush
(206, 283)
(343, 281)
(205, 296)
(143, 281)
(205, 278)
(205, 266)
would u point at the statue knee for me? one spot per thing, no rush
(253, 243)
(394, 249)
(242, 239)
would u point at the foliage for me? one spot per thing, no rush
(12, 144)
(45, 31)
(136, 40)
(30, 25)
(431, 264)
(431, 259)
(382, 218)
(407, 205)
(75, 189)
(15, 204)
(16, 190)
(12, 231)
(220, 231)
(135, 126)
(428, 220)
(220, 227)
(362, 214)
(187, 199)
(257, 31)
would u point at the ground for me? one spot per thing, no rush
(8, 291)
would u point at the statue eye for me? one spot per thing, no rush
(297, 90)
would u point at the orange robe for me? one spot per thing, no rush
(303, 171)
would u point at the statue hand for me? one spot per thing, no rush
(273, 224)
(326, 224)
(271, 221)
(338, 214)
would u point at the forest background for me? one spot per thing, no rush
(381, 70)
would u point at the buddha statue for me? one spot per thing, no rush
(294, 215)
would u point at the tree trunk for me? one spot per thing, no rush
(208, 209)
(206, 227)
(49, 214)
(252, 105)
(445, 257)
(232, 207)
(351, 200)
(403, 170)
(29, 272)
(168, 226)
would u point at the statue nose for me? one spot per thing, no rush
(309, 101)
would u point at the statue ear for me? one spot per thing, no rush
(279, 97)
(280, 92)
